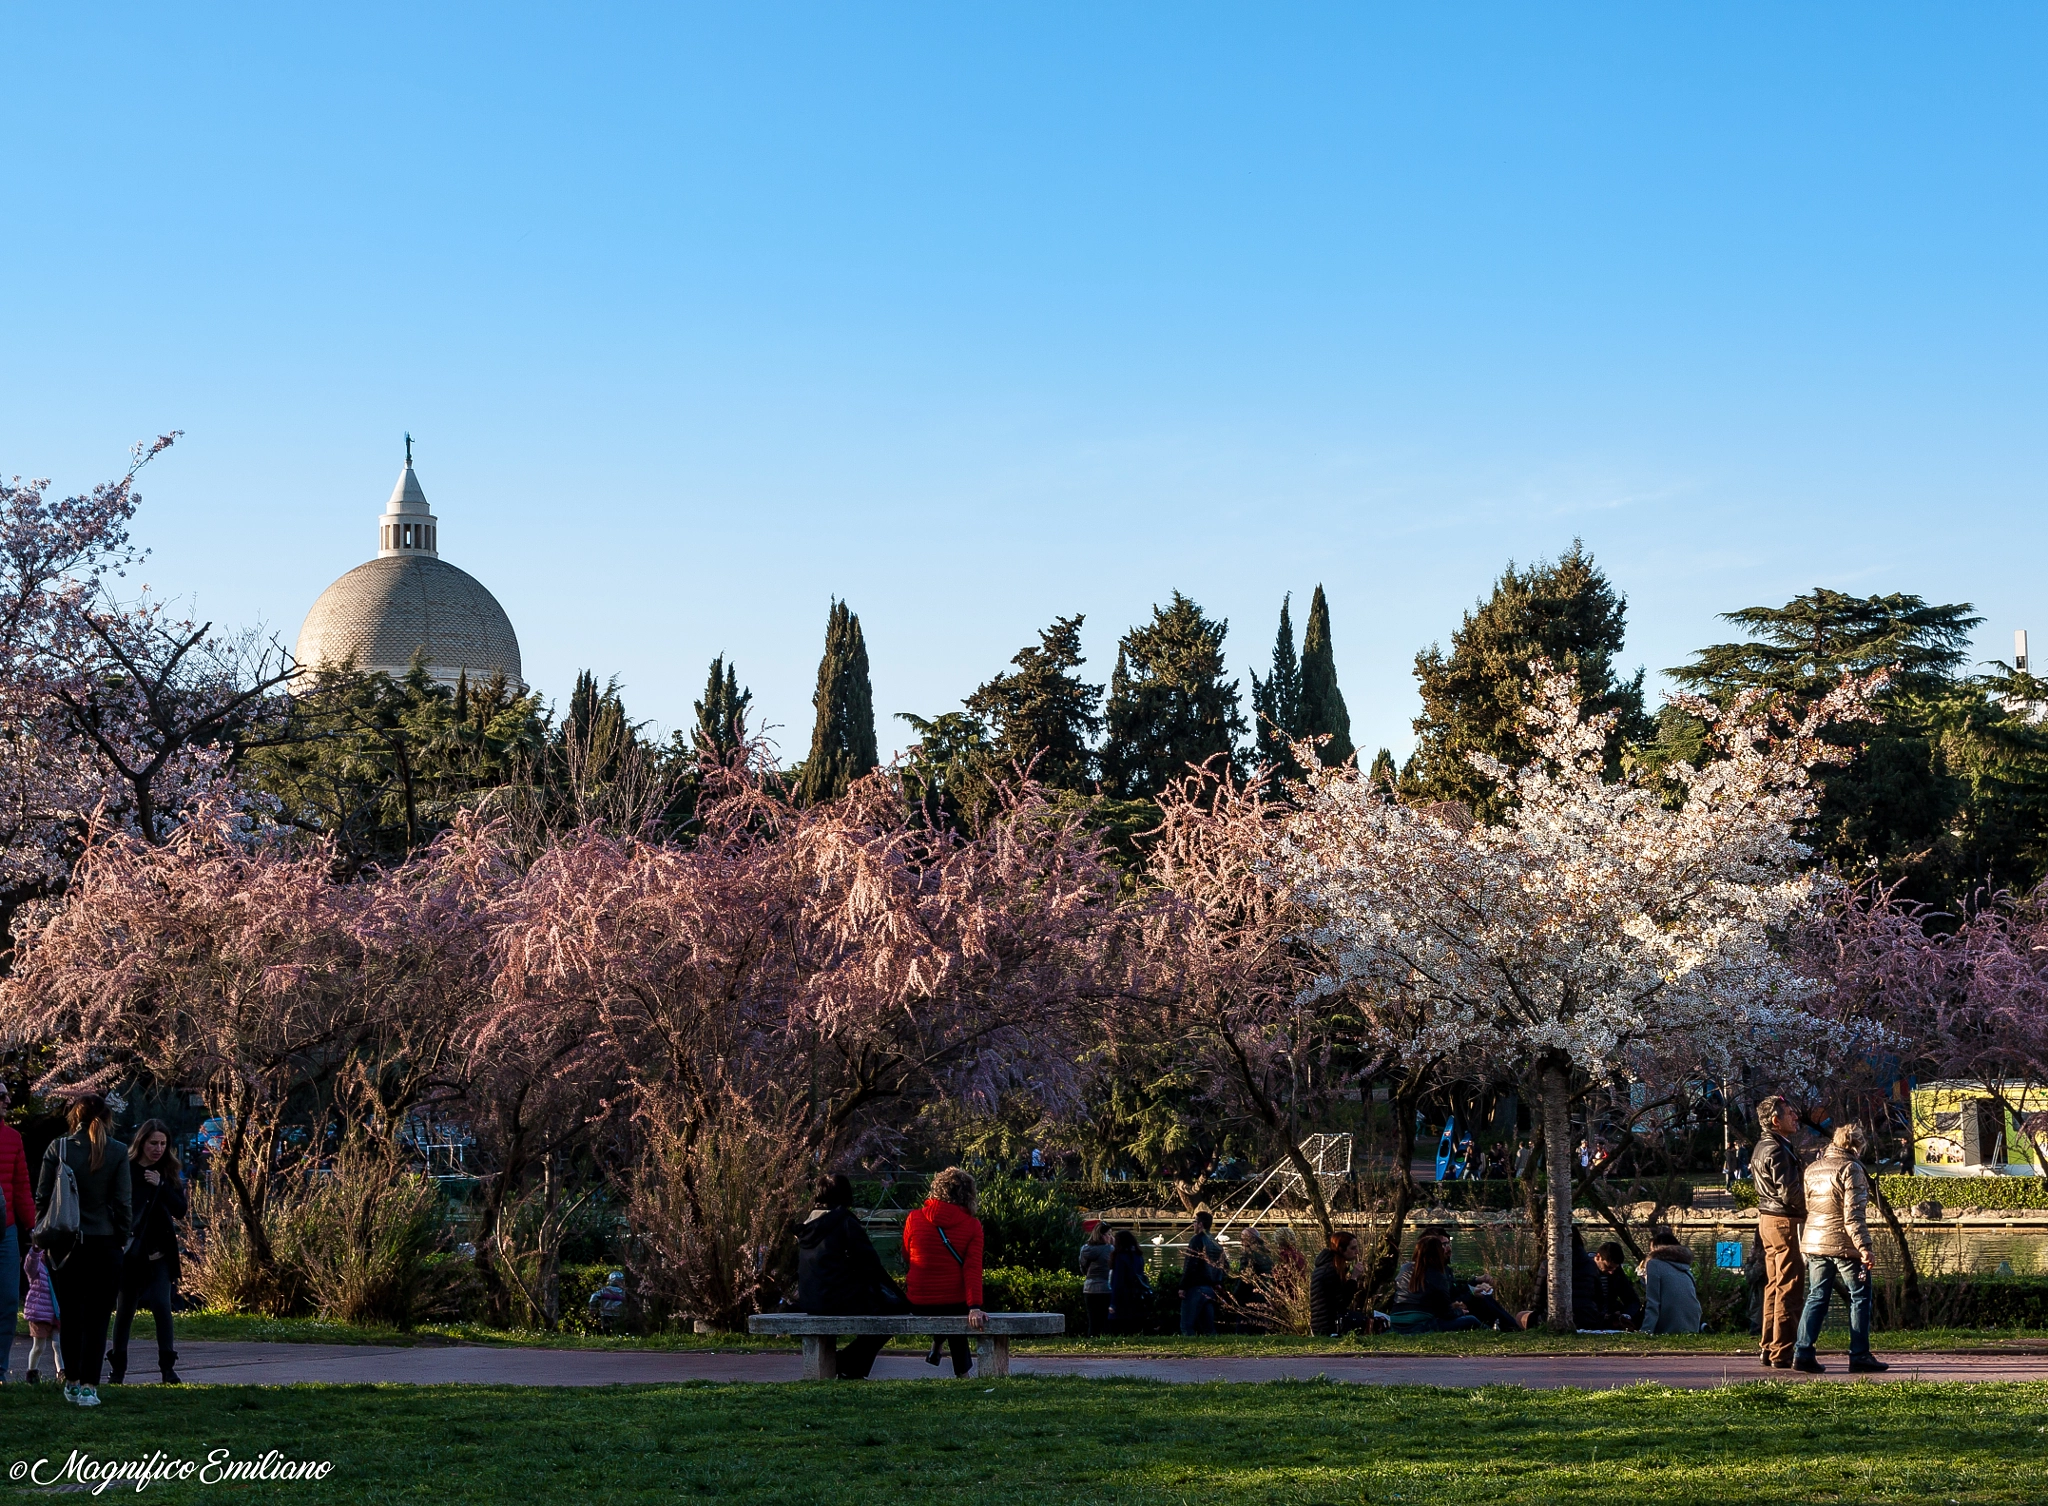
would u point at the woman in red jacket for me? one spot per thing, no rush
(20, 1218)
(942, 1244)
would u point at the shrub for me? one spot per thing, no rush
(220, 1268)
(366, 1234)
(1016, 1289)
(1276, 1303)
(1989, 1193)
(1029, 1225)
(361, 1241)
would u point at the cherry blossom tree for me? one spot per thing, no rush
(1958, 997)
(55, 556)
(792, 988)
(1599, 924)
(110, 712)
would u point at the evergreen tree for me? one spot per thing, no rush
(843, 740)
(722, 715)
(1474, 697)
(1276, 700)
(1946, 787)
(1322, 703)
(1169, 705)
(1383, 775)
(1043, 711)
(1802, 648)
(380, 765)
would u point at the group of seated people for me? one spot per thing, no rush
(1430, 1297)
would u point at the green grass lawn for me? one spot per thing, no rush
(1063, 1440)
(312, 1331)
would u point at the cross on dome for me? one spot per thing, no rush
(408, 525)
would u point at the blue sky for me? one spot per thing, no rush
(975, 317)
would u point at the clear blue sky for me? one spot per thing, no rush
(703, 316)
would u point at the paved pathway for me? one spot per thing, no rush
(283, 1364)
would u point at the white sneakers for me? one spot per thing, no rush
(84, 1396)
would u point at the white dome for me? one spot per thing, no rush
(409, 601)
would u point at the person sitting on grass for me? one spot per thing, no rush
(1433, 1304)
(1617, 1293)
(1257, 1260)
(1476, 1292)
(1586, 1309)
(1671, 1303)
(1332, 1290)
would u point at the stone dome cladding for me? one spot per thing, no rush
(384, 611)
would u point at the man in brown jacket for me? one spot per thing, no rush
(1836, 1241)
(1780, 1205)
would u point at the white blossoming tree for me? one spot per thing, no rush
(1603, 926)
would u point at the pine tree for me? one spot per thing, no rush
(722, 714)
(1043, 715)
(1914, 802)
(843, 740)
(1322, 703)
(1383, 775)
(1474, 697)
(1276, 700)
(1169, 705)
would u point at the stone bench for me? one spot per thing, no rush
(821, 1335)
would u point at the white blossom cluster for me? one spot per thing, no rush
(1627, 925)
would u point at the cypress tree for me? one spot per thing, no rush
(1043, 714)
(1169, 705)
(1276, 700)
(1474, 697)
(722, 714)
(1383, 775)
(843, 740)
(1322, 703)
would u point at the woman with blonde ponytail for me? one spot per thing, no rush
(88, 1277)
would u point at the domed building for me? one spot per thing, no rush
(409, 601)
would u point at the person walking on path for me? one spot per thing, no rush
(839, 1273)
(1129, 1291)
(1671, 1302)
(88, 1275)
(942, 1244)
(1097, 1256)
(1780, 1206)
(1836, 1243)
(1202, 1271)
(149, 1268)
(20, 1215)
(39, 1306)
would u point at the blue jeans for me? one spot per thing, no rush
(1198, 1310)
(10, 1294)
(1822, 1272)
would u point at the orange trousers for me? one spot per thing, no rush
(1784, 1285)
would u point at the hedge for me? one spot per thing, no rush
(1950, 1192)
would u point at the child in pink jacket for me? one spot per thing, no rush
(39, 1306)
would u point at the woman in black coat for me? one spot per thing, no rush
(86, 1273)
(838, 1273)
(1129, 1292)
(149, 1269)
(1331, 1288)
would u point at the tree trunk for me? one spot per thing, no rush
(1313, 1186)
(1915, 1303)
(1385, 1259)
(1557, 1153)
